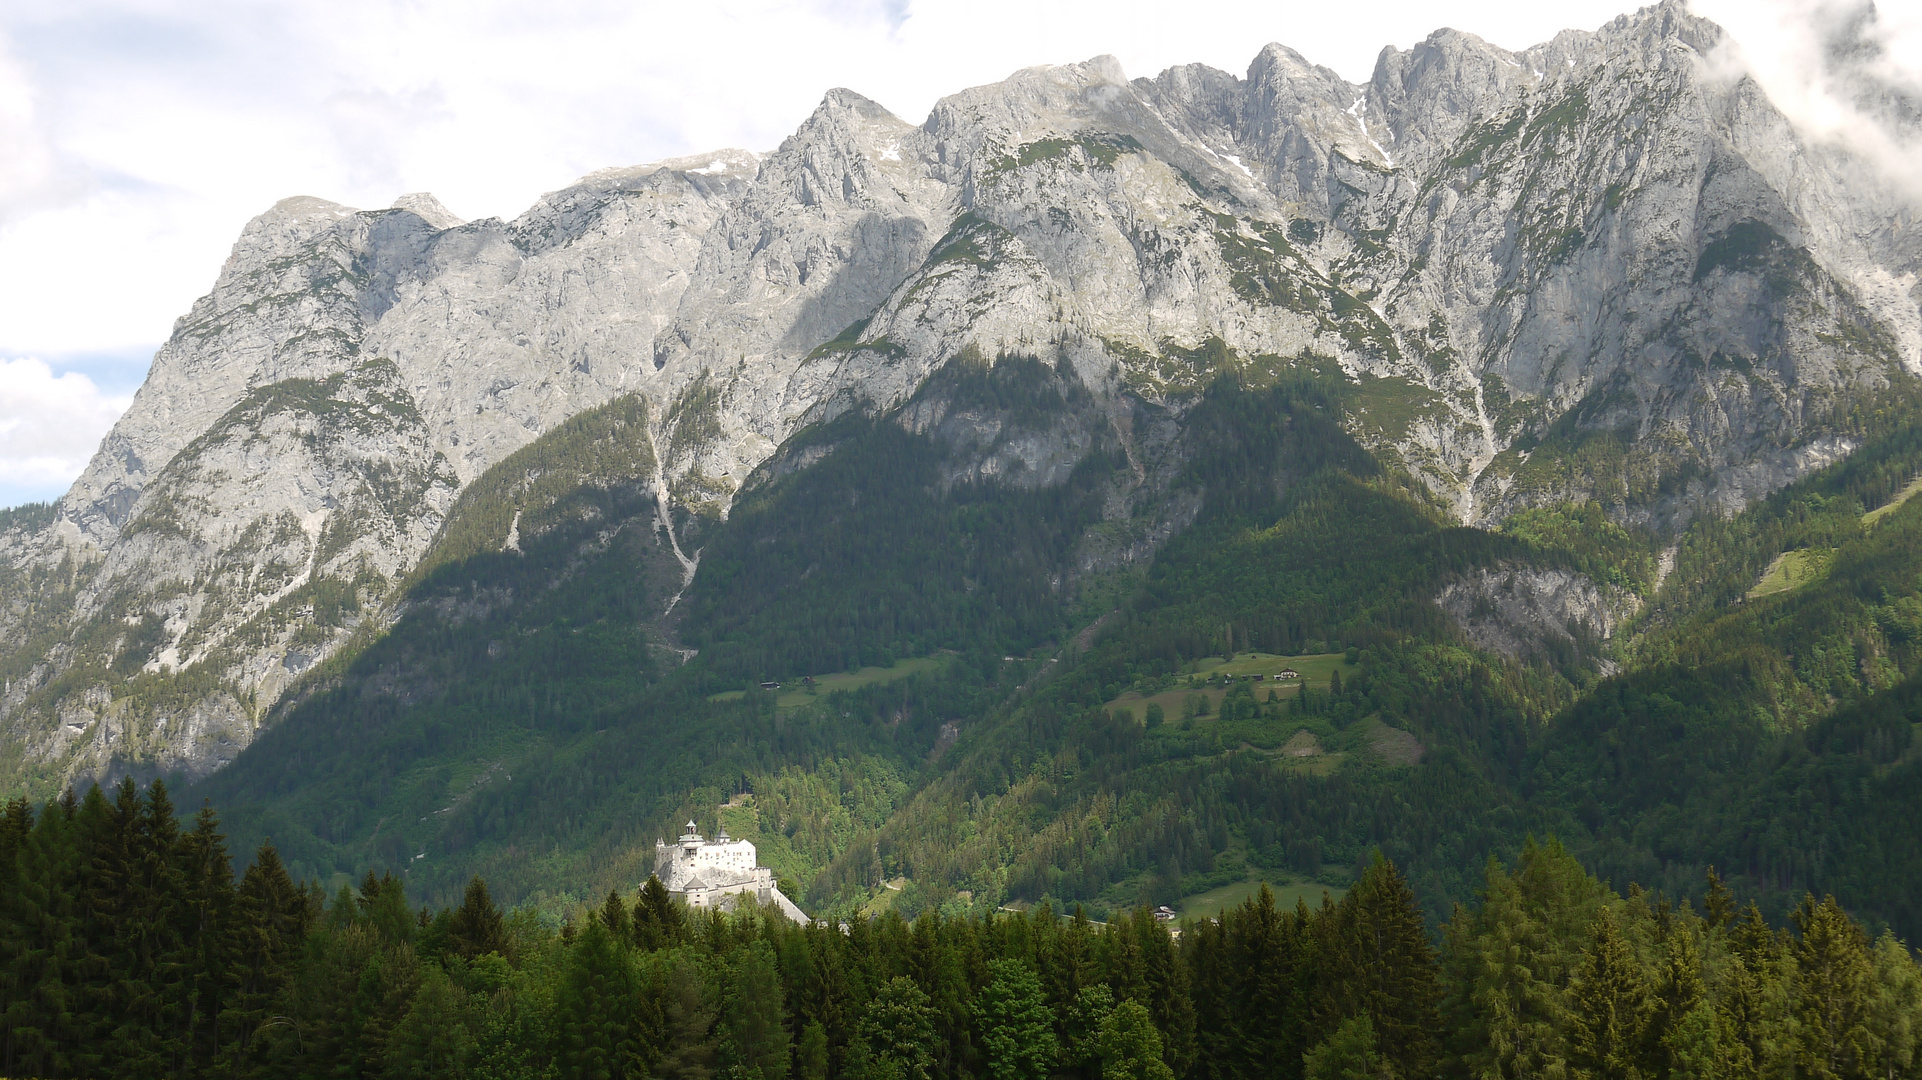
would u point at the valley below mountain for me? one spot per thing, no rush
(1106, 491)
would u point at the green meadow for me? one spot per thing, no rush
(793, 695)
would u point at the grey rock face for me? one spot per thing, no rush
(1534, 614)
(1598, 268)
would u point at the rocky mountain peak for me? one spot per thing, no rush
(1595, 269)
(428, 209)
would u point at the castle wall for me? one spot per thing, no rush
(714, 873)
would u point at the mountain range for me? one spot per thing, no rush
(1566, 398)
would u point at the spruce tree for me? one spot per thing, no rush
(595, 1006)
(1164, 989)
(434, 1040)
(1832, 988)
(690, 1013)
(137, 983)
(477, 927)
(1608, 1006)
(1217, 1011)
(387, 982)
(1895, 1013)
(1718, 905)
(382, 906)
(811, 1056)
(1017, 1029)
(1081, 1043)
(613, 915)
(42, 1017)
(208, 942)
(657, 919)
(1384, 967)
(1683, 1036)
(757, 1036)
(825, 994)
(271, 919)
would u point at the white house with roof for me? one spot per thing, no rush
(714, 873)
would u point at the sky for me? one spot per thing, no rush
(137, 137)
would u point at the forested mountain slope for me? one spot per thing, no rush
(541, 736)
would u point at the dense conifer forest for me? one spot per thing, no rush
(127, 949)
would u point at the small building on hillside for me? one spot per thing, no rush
(717, 873)
(1287, 673)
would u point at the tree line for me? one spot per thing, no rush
(128, 948)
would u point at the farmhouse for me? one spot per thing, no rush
(716, 873)
(1287, 673)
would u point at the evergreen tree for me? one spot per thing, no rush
(823, 991)
(758, 1045)
(1832, 992)
(689, 1013)
(136, 967)
(1385, 968)
(613, 915)
(477, 927)
(1678, 991)
(1718, 905)
(1755, 952)
(1017, 1030)
(271, 920)
(434, 1040)
(43, 1012)
(387, 982)
(208, 940)
(382, 906)
(595, 1006)
(811, 1056)
(1895, 1013)
(1163, 988)
(657, 919)
(1608, 1006)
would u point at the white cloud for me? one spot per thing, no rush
(1847, 73)
(49, 426)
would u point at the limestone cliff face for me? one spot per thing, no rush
(1535, 614)
(1597, 268)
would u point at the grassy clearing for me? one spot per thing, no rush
(1304, 752)
(1392, 744)
(1894, 504)
(1792, 570)
(793, 695)
(1211, 904)
(1315, 671)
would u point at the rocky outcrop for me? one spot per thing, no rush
(1533, 614)
(1597, 268)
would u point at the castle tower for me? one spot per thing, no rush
(713, 873)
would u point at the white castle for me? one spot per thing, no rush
(712, 873)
